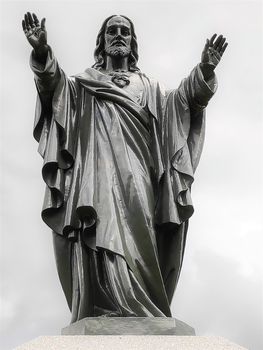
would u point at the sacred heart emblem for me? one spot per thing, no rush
(120, 79)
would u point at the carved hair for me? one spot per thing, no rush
(99, 53)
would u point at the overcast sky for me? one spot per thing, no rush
(220, 290)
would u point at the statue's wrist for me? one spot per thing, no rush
(207, 70)
(41, 53)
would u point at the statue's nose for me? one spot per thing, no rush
(118, 33)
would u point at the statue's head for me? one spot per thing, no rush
(116, 38)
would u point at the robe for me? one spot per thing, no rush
(118, 169)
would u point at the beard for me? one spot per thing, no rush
(117, 51)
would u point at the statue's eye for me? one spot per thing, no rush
(111, 31)
(125, 32)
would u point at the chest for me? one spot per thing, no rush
(136, 89)
(131, 83)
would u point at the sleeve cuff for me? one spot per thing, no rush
(40, 68)
(202, 90)
(208, 87)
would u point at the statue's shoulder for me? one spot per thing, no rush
(148, 78)
(89, 73)
(154, 84)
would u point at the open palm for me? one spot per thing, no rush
(214, 50)
(35, 33)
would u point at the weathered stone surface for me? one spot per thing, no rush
(128, 326)
(144, 342)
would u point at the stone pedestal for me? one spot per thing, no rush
(139, 342)
(128, 326)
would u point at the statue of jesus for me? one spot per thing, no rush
(119, 160)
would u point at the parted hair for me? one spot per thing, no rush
(99, 53)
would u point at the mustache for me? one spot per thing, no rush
(118, 41)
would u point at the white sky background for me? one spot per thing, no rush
(220, 290)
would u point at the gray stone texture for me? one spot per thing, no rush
(128, 326)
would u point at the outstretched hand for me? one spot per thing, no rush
(213, 51)
(35, 33)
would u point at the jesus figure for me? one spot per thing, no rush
(119, 154)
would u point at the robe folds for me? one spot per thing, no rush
(118, 169)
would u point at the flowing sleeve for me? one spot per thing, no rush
(182, 135)
(181, 125)
(55, 130)
(195, 92)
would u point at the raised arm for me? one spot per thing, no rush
(55, 116)
(197, 89)
(43, 63)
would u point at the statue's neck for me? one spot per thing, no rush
(116, 63)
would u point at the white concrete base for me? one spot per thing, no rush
(129, 342)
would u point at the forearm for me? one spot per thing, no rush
(197, 89)
(46, 69)
(40, 55)
(207, 70)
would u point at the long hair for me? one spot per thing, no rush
(99, 53)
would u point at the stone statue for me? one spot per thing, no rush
(119, 160)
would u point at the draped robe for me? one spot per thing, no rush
(118, 169)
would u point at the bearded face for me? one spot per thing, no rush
(117, 51)
(118, 37)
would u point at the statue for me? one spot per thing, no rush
(119, 160)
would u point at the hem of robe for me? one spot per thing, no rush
(102, 283)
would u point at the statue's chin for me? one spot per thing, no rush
(118, 51)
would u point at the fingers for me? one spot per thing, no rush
(206, 45)
(223, 49)
(43, 23)
(26, 22)
(221, 43)
(217, 42)
(24, 26)
(36, 21)
(211, 41)
(30, 20)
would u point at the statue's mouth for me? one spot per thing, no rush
(118, 43)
